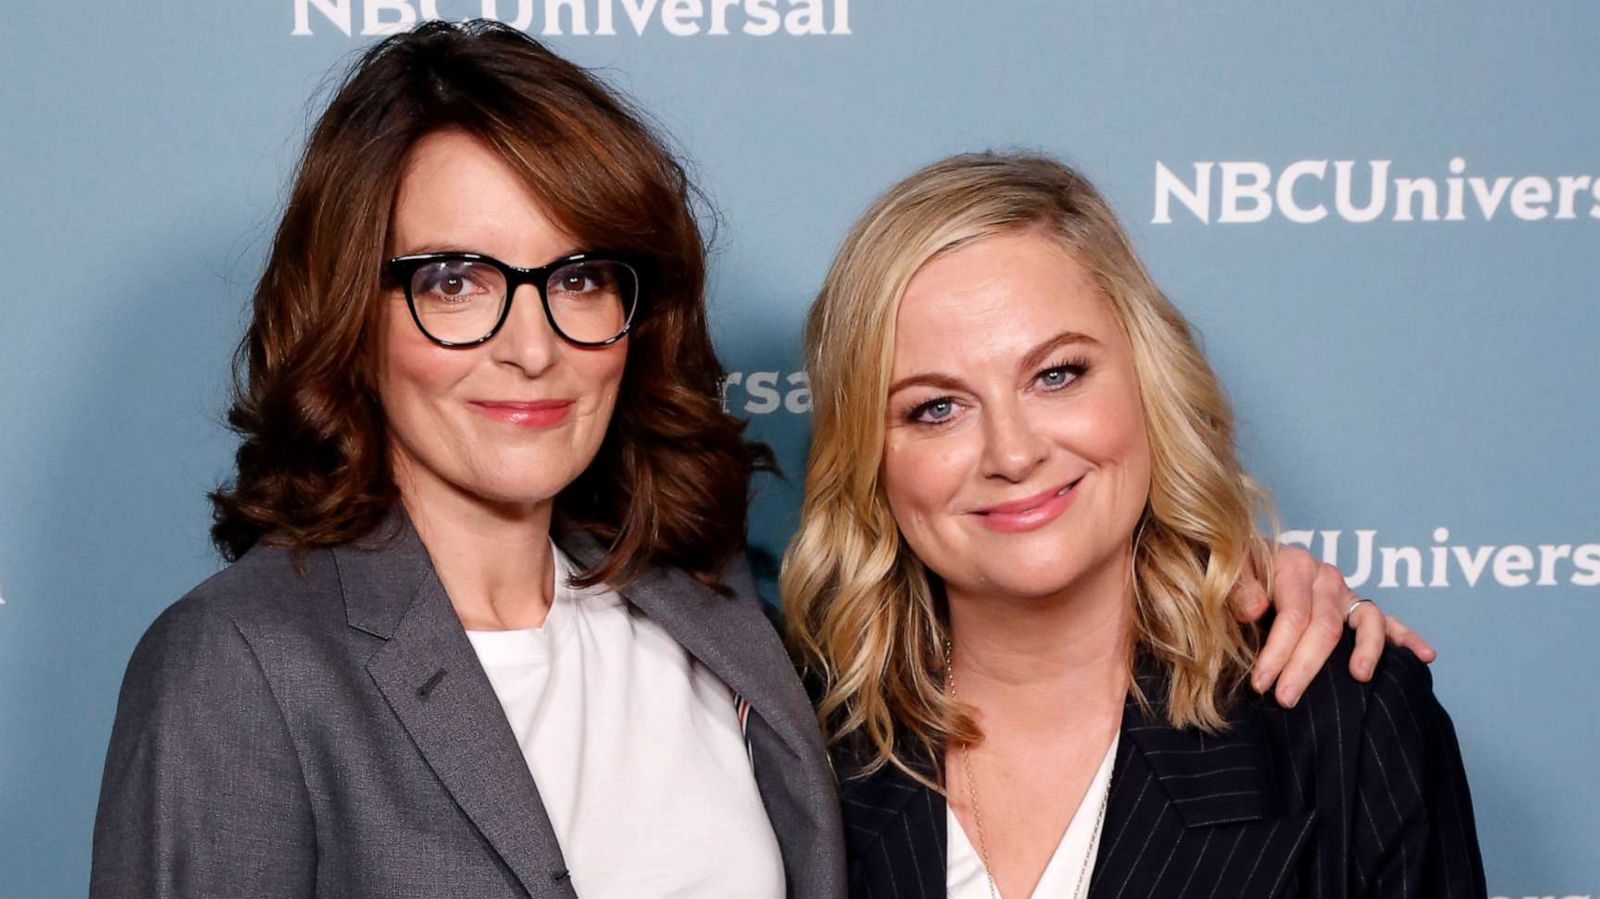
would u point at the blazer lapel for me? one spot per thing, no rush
(1188, 815)
(1193, 815)
(428, 672)
(898, 838)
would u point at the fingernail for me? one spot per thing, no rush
(1290, 700)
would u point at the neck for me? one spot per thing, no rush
(1066, 652)
(494, 559)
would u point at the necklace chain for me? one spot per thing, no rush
(977, 815)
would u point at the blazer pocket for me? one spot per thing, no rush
(1244, 860)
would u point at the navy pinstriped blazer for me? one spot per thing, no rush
(1357, 791)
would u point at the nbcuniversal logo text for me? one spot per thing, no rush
(553, 18)
(766, 392)
(1447, 564)
(1311, 190)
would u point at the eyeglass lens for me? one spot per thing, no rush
(460, 301)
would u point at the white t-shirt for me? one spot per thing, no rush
(965, 877)
(636, 750)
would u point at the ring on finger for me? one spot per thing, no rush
(1353, 606)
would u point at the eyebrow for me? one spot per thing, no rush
(1033, 359)
(1036, 356)
(433, 247)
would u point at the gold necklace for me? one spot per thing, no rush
(977, 816)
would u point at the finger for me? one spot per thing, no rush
(1248, 601)
(1329, 600)
(1406, 638)
(1293, 573)
(1287, 627)
(1369, 624)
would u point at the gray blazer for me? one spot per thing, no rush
(329, 732)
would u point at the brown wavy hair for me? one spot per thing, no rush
(669, 484)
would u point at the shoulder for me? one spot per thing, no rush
(864, 779)
(1400, 677)
(850, 762)
(1340, 719)
(268, 596)
(272, 588)
(894, 824)
(1403, 715)
(736, 594)
(267, 578)
(737, 577)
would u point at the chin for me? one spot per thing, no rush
(513, 490)
(1036, 569)
(1028, 582)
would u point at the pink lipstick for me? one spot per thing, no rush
(1029, 513)
(533, 414)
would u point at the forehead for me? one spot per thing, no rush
(994, 300)
(456, 193)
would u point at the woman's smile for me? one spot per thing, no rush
(525, 414)
(1029, 513)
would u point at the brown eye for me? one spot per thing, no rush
(583, 278)
(451, 281)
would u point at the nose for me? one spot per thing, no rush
(526, 341)
(1012, 447)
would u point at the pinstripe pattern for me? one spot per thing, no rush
(1358, 791)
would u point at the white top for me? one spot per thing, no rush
(965, 877)
(637, 752)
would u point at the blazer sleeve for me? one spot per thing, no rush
(1414, 832)
(203, 793)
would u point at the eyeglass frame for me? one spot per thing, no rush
(402, 269)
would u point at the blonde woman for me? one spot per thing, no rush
(1024, 517)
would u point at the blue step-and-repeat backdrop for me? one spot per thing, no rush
(1384, 217)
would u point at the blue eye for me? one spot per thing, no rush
(933, 411)
(1058, 376)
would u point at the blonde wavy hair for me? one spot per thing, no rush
(866, 618)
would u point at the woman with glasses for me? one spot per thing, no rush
(486, 630)
(483, 633)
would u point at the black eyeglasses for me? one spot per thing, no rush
(463, 299)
